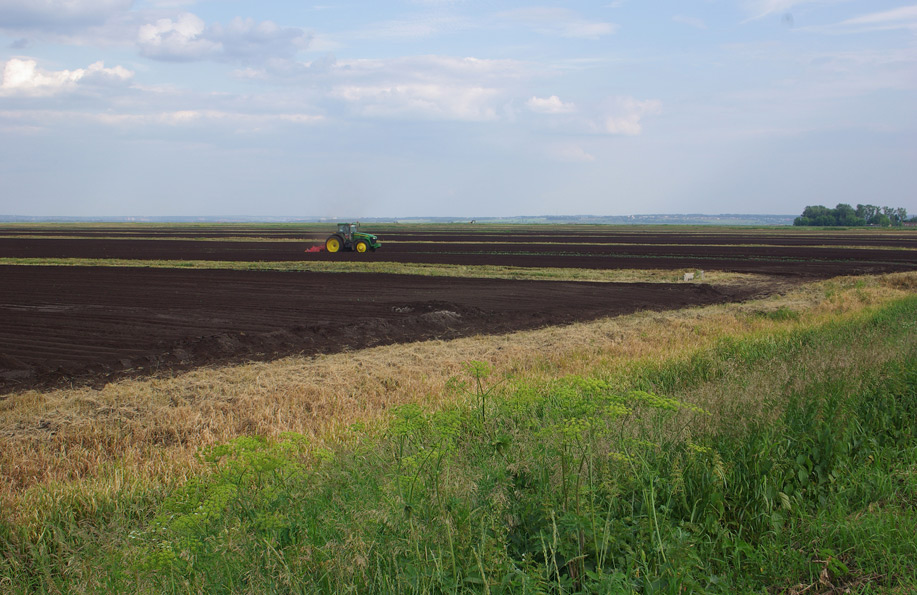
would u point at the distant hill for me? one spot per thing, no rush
(673, 219)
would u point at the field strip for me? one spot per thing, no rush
(252, 239)
(154, 426)
(669, 245)
(574, 245)
(396, 268)
(508, 240)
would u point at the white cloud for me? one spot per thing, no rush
(625, 114)
(549, 105)
(58, 15)
(436, 87)
(98, 74)
(430, 100)
(187, 38)
(621, 115)
(23, 77)
(179, 40)
(560, 22)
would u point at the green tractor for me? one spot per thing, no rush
(349, 237)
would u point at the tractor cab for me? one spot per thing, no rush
(347, 230)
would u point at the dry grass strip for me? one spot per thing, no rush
(407, 268)
(152, 428)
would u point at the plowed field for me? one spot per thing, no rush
(62, 324)
(810, 254)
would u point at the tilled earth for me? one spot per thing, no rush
(813, 255)
(69, 324)
(92, 324)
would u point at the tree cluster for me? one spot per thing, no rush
(847, 216)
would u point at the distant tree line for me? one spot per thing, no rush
(847, 216)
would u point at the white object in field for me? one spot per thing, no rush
(689, 276)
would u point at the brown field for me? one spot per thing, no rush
(65, 325)
(73, 324)
(792, 253)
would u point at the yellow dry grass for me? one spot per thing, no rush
(150, 429)
(407, 268)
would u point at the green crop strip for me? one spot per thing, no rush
(606, 482)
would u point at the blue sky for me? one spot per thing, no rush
(455, 107)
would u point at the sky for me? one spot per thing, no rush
(455, 108)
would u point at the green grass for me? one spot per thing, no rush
(797, 471)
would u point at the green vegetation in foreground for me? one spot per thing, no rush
(586, 484)
(393, 268)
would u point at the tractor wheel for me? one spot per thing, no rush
(361, 246)
(334, 244)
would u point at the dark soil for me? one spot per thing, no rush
(64, 325)
(61, 325)
(811, 255)
(531, 234)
